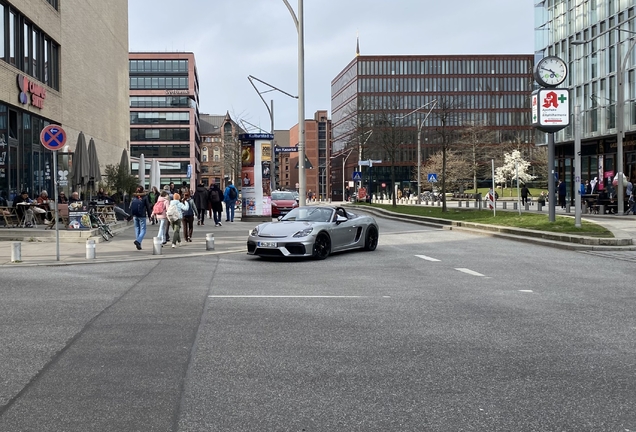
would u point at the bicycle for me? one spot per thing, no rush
(98, 222)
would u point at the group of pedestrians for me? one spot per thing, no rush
(177, 209)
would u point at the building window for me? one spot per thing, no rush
(160, 134)
(53, 3)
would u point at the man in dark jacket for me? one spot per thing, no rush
(202, 202)
(216, 201)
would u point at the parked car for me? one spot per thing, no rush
(282, 203)
(314, 231)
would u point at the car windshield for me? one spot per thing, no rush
(282, 196)
(309, 214)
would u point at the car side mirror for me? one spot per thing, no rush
(341, 219)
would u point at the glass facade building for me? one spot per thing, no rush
(491, 90)
(164, 115)
(596, 38)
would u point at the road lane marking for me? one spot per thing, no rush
(528, 291)
(469, 271)
(427, 258)
(290, 296)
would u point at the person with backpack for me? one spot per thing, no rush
(159, 212)
(229, 198)
(188, 217)
(138, 211)
(174, 214)
(201, 199)
(216, 201)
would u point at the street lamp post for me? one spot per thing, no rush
(419, 144)
(300, 27)
(620, 110)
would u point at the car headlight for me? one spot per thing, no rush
(254, 232)
(303, 233)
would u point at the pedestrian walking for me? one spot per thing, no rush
(159, 212)
(175, 214)
(188, 217)
(216, 201)
(202, 201)
(153, 197)
(170, 193)
(229, 198)
(524, 194)
(138, 212)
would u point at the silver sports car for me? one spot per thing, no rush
(313, 231)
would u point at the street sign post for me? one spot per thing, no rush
(357, 176)
(53, 138)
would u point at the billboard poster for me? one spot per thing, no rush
(247, 154)
(78, 218)
(255, 178)
(266, 152)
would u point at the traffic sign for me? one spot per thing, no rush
(357, 176)
(53, 137)
(432, 178)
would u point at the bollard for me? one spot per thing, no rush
(156, 246)
(601, 209)
(90, 249)
(16, 252)
(209, 241)
(567, 208)
(527, 206)
(539, 206)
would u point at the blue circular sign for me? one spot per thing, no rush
(53, 137)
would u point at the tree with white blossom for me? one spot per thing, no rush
(513, 166)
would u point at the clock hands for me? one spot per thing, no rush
(553, 74)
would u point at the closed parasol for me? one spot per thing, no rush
(94, 172)
(80, 174)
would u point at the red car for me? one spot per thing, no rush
(282, 203)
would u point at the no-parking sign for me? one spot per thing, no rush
(53, 137)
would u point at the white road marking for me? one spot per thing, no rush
(469, 271)
(427, 258)
(286, 296)
(528, 291)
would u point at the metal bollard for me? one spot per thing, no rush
(567, 208)
(16, 252)
(539, 207)
(156, 246)
(209, 241)
(90, 249)
(527, 206)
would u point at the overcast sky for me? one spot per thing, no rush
(237, 38)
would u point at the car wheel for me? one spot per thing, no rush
(371, 239)
(322, 247)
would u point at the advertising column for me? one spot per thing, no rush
(255, 182)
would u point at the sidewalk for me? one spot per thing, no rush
(229, 238)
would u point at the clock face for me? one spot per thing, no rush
(550, 71)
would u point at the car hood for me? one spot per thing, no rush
(284, 203)
(282, 229)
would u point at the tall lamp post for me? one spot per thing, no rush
(419, 144)
(300, 27)
(620, 110)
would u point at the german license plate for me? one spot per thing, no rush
(267, 244)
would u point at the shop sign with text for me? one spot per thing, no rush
(35, 90)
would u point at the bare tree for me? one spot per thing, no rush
(457, 170)
(478, 143)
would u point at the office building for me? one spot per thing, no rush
(375, 93)
(596, 39)
(52, 73)
(164, 114)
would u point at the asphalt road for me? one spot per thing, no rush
(434, 331)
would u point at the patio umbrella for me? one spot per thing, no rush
(94, 172)
(125, 162)
(142, 170)
(80, 174)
